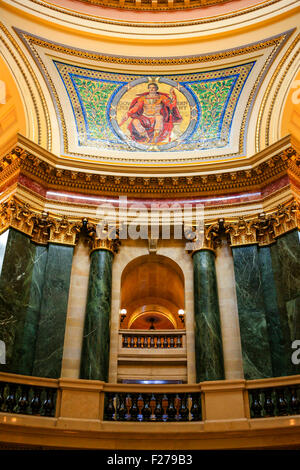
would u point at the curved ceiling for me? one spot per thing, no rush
(145, 293)
(153, 10)
(12, 115)
(198, 109)
(82, 75)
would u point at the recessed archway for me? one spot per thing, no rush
(152, 292)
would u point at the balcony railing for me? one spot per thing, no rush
(274, 401)
(162, 339)
(36, 397)
(71, 399)
(152, 407)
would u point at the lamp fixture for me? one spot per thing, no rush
(181, 314)
(123, 313)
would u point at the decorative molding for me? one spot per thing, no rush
(263, 170)
(206, 20)
(152, 245)
(32, 40)
(24, 73)
(155, 5)
(41, 227)
(262, 229)
(280, 67)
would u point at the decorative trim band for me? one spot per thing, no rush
(262, 229)
(156, 5)
(19, 159)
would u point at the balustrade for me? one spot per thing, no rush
(27, 399)
(152, 407)
(274, 401)
(156, 4)
(152, 340)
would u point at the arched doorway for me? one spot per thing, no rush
(152, 287)
(152, 327)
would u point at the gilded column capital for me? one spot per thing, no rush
(206, 239)
(16, 215)
(242, 232)
(42, 224)
(105, 239)
(5, 216)
(286, 218)
(63, 231)
(265, 233)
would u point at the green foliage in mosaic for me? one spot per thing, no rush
(95, 95)
(212, 96)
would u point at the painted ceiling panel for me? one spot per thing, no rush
(181, 110)
(204, 103)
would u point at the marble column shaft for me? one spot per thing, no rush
(208, 342)
(25, 361)
(15, 292)
(95, 347)
(285, 254)
(278, 356)
(51, 330)
(252, 314)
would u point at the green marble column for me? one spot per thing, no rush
(285, 255)
(252, 314)
(51, 330)
(278, 357)
(15, 286)
(208, 340)
(25, 353)
(95, 346)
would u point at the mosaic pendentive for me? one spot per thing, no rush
(128, 112)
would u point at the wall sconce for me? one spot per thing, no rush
(123, 313)
(181, 314)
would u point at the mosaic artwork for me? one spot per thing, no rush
(181, 112)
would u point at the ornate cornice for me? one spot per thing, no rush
(257, 175)
(33, 41)
(155, 5)
(40, 226)
(43, 228)
(264, 229)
